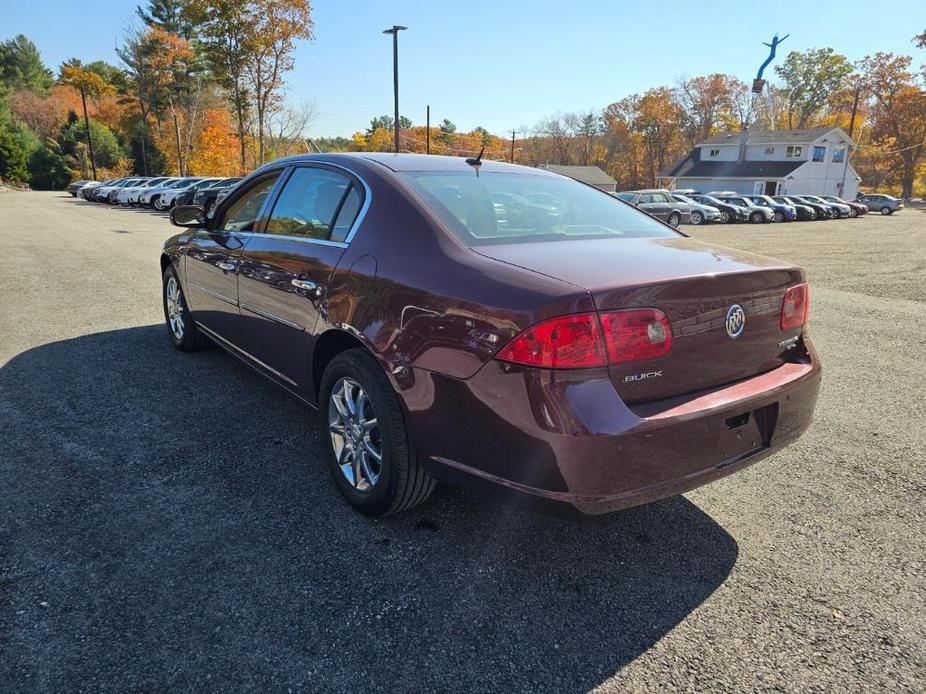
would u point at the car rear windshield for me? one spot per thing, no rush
(522, 208)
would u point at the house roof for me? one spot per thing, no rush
(689, 167)
(587, 174)
(773, 137)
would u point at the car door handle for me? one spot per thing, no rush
(307, 285)
(228, 267)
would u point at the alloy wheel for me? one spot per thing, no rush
(724, 217)
(355, 435)
(779, 217)
(174, 300)
(696, 218)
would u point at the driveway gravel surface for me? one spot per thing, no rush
(166, 520)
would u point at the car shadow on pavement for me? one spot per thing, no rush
(166, 522)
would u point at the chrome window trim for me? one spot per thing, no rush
(291, 237)
(270, 316)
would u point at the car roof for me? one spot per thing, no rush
(411, 162)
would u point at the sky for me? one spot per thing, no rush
(505, 65)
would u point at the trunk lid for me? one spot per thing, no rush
(695, 284)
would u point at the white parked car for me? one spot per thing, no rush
(129, 195)
(150, 197)
(169, 196)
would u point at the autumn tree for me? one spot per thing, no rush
(87, 83)
(809, 78)
(274, 27)
(709, 103)
(229, 45)
(898, 112)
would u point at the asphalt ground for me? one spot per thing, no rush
(166, 521)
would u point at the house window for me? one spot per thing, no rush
(793, 151)
(714, 152)
(819, 153)
(839, 155)
(769, 150)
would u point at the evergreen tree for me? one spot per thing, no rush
(21, 65)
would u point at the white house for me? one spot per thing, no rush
(812, 161)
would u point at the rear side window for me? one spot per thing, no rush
(309, 203)
(524, 208)
(350, 208)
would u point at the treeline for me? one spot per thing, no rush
(199, 89)
(635, 138)
(200, 85)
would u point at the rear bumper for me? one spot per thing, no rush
(571, 439)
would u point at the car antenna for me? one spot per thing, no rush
(477, 161)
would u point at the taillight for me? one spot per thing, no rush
(796, 307)
(586, 340)
(636, 335)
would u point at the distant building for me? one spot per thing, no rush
(591, 175)
(812, 161)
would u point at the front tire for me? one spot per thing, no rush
(724, 217)
(674, 220)
(756, 218)
(369, 457)
(853, 213)
(886, 210)
(180, 326)
(779, 217)
(697, 218)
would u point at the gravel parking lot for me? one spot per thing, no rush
(166, 522)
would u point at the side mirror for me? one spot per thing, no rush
(188, 216)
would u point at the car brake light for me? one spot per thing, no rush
(636, 335)
(796, 307)
(567, 342)
(586, 340)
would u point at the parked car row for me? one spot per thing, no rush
(727, 207)
(158, 192)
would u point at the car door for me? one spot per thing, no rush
(648, 204)
(285, 268)
(212, 258)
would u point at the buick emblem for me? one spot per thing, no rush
(736, 321)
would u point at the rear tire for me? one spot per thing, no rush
(180, 326)
(397, 480)
(674, 220)
(697, 218)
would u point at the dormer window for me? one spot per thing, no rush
(794, 151)
(819, 153)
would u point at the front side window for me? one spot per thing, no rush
(819, 153)
(839, 155)
(242, 215)
(523, 208)
(309, 203)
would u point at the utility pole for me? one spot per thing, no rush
(511, 158)
(83, 99)
(428, 129)
(845, 165)
(395, 75)
(179, 150)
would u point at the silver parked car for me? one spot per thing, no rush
(659, 203)
(700, 213)
(877, 202)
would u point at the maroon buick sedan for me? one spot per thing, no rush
(446, 314)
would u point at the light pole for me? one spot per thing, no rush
(395, 74)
